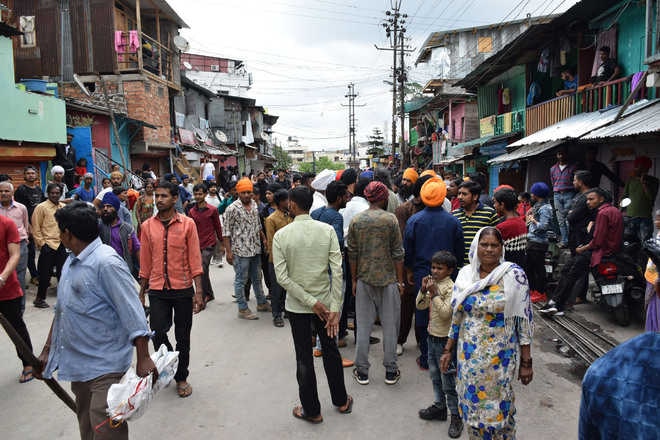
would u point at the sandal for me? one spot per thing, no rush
(26, 375)
(299, 413)
(183, 389)
(348, 405)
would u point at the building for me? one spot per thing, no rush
(220, 75)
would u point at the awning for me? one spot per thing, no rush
(525, 152)
(452, 159)
(416, 104)
(645, 121)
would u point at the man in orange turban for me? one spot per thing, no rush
(244, 185)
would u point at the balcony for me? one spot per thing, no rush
(586, 99)
(138, 52)
(497, 125)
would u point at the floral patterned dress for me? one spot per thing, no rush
(488, 351)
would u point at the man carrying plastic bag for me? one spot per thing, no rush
(98, 320)
(129, 399)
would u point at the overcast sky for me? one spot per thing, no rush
(303, 53)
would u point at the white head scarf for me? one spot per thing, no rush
(516, 288)
(323, 179)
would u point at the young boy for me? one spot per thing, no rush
(435, 295)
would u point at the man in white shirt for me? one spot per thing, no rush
(207, 169)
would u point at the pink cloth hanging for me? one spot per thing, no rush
(119, 45)
(133, 41)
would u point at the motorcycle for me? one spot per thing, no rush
(619, 284)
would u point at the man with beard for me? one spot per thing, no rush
(207, 220)
(408, 180)
(116, 233)
(30, 195)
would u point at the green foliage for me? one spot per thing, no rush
(321, 164)
(376, 143)
(283, 160)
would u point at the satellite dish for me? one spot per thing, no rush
(78, 81)
(187, 65)
(181, 43)
(200, 134)
(219, 135)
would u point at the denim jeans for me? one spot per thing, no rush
(563, 201)
(444, 385)
(244, 268)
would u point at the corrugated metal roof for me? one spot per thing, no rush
(646, 120)
(525, 152)
(579, 125)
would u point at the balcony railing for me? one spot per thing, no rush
(510, 122)
(139, 52)
(586, 99)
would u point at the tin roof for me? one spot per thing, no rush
(646, 120)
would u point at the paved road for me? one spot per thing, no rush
(243, 375)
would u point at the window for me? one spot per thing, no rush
(161, 92)
(26, 25)
(485, 45)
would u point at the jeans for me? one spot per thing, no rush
(162, 303)
(91, 397)
(573, 280)
(207, 288)
(277, 293)
(48, 259)
(444, 384)
(11, 309)
(31, 258)
(372, 301)
(245, 267)
(21, 269)
(563, 201)
(301, 330)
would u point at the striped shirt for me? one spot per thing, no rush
(562, 180)
(481, 217)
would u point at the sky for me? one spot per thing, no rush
(304, 53)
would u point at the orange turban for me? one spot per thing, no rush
(429, 173)
(433, 192)
(411, 174)
(243, 185)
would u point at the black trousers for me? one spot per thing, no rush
(49, 258)
(163, 304)
(536, 266)
(207, 288)
(572, 280)
(348, 307)
(278, 294)
(32, 252)
(11, 309)
(301, 329)
(408, 308)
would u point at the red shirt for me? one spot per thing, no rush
(8, 234)
(608, 233)
(455, 204)
(207, 221)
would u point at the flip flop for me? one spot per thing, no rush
(183, 389)
(349, 408)
(299, 413)
(26, 376)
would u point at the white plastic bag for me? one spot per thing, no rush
(129, 399)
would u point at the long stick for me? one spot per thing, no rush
(27, 355)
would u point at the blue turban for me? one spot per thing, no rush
(540, 189)
(368, 174)
(111, 199)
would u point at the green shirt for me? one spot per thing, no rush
(641, 205)
(302, 253)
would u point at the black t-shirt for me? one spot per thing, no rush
(30, 197)
(578, 218)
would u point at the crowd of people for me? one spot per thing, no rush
(337, 252)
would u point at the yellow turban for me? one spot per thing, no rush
(433, 192)
(411, 174)
(429, 173)
(243, 185)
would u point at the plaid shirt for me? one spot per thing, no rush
(562, 180)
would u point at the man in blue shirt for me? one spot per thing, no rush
(430, 230)
(98, 320)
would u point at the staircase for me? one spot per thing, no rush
(182, 166)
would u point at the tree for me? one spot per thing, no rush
(282, 159)
(321, 164)
(376, 143)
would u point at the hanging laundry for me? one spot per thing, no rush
(506, 97)
(534, 95)
(500, 102)
(544, 61)
(133, 41)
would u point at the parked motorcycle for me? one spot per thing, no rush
(619, 284)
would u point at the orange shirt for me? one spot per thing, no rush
(170, 258)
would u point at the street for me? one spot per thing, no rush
(244, 384)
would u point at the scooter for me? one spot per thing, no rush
(619, 284)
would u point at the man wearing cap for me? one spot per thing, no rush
(243, 238)
(85, 192)
(46, 235)
(58, 178)
(408, 179)
(319, 184)
(538, 220)
(116, 233)
(431, 230)
(642, 190)
(375, 255)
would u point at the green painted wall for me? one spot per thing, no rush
(514, 79)
(631, 28)
(25, 116)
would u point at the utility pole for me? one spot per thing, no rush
(395, 31)
(351, 95)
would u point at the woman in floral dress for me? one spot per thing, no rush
(145, 207)
(492, 330)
